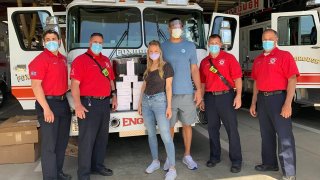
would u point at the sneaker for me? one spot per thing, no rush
(155, 165)
(288, 178)
(187, 160)
(171, 174)
(166, 165)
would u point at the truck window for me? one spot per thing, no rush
(255, 39)
(297, 30)
(119, 25)
(217, 26)
(156, 24)
(29, 28)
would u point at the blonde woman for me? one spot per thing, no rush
(155, 106)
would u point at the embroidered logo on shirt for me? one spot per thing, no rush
(183, 50)
(221, 62)
(33, 73)
(272, 60)
(72, 71)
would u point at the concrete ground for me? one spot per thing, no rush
(128, 157)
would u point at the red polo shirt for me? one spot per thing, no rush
(53, 72)
(271, 72)
(226, 64)
(92, 81)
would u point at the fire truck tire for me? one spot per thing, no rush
(296, 108)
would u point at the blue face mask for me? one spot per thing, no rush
(214, 49)
(96, 48)
(268, 45)
(52, 46)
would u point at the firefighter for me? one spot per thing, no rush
(182, 55)
(220, 73)
(49, 81)
(275, 75)
(92, 86)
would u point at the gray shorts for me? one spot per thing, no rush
(183, 109)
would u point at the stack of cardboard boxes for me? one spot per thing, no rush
(125, 93)
(19, 140)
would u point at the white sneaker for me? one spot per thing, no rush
(166, 165)
(155, 165)
(187, 160)
(171, 174)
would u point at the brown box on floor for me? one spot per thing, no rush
(19, 140)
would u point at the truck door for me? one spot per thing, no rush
(298, 34)
(25, 26)
(221, 24)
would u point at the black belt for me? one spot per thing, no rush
(271, 93)
(61, 98)
(217, 93)
(95, 97)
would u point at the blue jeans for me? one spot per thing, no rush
(154, 113)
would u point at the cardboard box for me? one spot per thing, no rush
(124, 92)
(130, 78)
(124, 99)
(137, 85)
(19, 130)
(21, 153)
(123, 85)
(124, 107)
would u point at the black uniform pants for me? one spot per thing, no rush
(220, 108)
(54, 137)
(93, 136)
(272, 124)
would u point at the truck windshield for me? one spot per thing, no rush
(120, 26)
(156, 24)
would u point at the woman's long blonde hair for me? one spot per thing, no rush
(150, 61)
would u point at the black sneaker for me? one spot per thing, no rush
(235, 168)
(262, 167)
(63, 176)
(103, 172)
(212, 163)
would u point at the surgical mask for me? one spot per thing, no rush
(154, 56)
(176, 33)
(268, 45)
(52, 46)
(96, 48)
(214, 49)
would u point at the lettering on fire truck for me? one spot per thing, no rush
(132, 121)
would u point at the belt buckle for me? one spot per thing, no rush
(101, 97)
(62, 98)
(265, 93)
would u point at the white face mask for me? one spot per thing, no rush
(176, 33)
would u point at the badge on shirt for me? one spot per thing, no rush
(221, 62)
(33, 73)
(272, 60)
(213, 70)
(105, 72)
(183, 51)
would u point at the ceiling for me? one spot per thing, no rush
(59, 5)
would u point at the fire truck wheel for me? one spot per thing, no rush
(2, 96)
(295, 109)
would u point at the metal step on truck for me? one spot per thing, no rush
(128, 26)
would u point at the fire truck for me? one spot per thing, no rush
(127, 26)
(297, 33)
(4, 63)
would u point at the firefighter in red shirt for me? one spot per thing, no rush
(92, 86)
(49, 81)
(275, 75)
(220, 73)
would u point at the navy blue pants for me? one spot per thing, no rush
(93, 136)
(54, 137)
(271, 125)
(220, 108)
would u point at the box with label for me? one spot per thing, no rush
(123, 85)
(124, 107)
(137, 85)
(124, 92)
(124, 99)
(130, 78)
